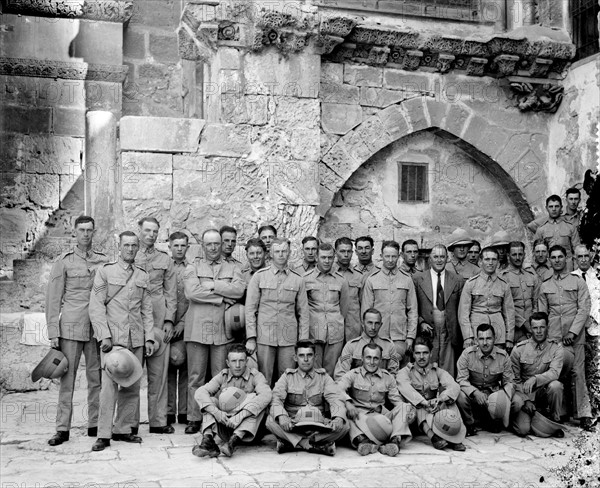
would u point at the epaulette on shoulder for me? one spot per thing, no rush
(356, 339)
(98, 252)
(549, 278)
(522, 343)
(295, 272)
(110, 263)
(262, 270)
(404, 273)
(375, 272)
(473, 278)
(501, 277)
(320, 370)
(140, 268)
(291, 370)
(502, 351)
(65, 254)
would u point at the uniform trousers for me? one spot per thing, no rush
(197, 360)
(124, 399)
(158, 370)
(177, 382)
(401, 416)
(442, 352)
(245, 430)
(573, 374)
(294, 437)
(401, 348)
(72, 351)
(326, 356)
(470, 410)
(550, 395)
(267, 355)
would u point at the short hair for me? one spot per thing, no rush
(342, 240)
(372, 310)
(557, 247)
(148, 219)
(309, 238)
(305, 344)
(539, 241)
(553, 198)
(584, 246)
(372, 345)
(267, 227)
(392, 244)
(237, 347)
(573, 190)
(516, 244)
(127, 233)
(369, 239)
(409, 242)
(280, 240)
(538, 316)
(227, 228)
(84, 219)
(256, 242)
(490, 249)
(325, 246)
(210, 230)
(423, 341)
(475, 243)
(178, 235)
(484, 328)
(439, 246)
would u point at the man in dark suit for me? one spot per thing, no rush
(438, 294)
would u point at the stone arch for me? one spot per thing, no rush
(493, 149)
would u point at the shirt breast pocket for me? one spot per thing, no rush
(290, 291)
(157, 272)
(313, 290)
(334, 292)
(225, 275)
(361, 393)
(80, 278)
(115, 285)
(140, 286)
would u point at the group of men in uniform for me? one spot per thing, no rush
(327, 346)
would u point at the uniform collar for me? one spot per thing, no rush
(124, 265)
(276, 270)
(310, 374)
(181, 263)
(337, 267)
(491, 354)
(456, 262)
(514, 269)
(364, 372)
(543, 265)
(540, 346)
(364, 267)
(147, 250)
(560, 276)
(83, 254)
(318, 272)
(308, 266)
(245, 374)
(487, 277)
(219, 260)
(375, 339)
(386, 271)
(426, 369)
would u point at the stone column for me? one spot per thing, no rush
(102, 174)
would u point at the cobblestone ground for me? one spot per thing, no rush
(491, 460)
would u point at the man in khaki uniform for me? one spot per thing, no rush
(277, 313)
(69, 327)
(364, 252)
(210, 284)
(525, 289)
(255, 254)
(487, 299)
(536, 364)
(501, 242)
(541, 264)
(229, 243)
(566, 300)
(299, 388)
(310, 245)
(557, 231)
(392, 292)
(328, 301)
(410, 255)
(482, 370)
(354, 278)
(121, 315)
(351, 356)
(162, 287)
(178, 377)
(459, 243)
(572, 213)
(474, 253)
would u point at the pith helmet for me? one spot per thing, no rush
(448, 425)
(499, 406)
(376, 427)
(460, 237)
(231, 398)
(122, 366)
(177, 353)
(160, 344)
(500, 238)
(53, 365)
(543, 426)
(235, 319)
(310, 416)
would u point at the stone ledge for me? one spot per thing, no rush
(160, 134)
(103, 10)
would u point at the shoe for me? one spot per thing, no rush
(471, 430)
(457, 447)
(328, 449)
(58, 438)
(127, 438)
(391, 449)
(207, 448)
(165, 429)
(182, 418)
(366, 448)
(193, 427)
(170, 418)
(228, 448)
(559, 434)
(100, 444)
(587, 424)
(283, 447)
(135, 430)
(495, 427)
(92, 431)
(438, 442)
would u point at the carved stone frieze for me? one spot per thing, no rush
(326, 44)
(540, 67)
(378, 55)
(536, 97)
(412, 59)
(444, 62)
(506, 64)
(105, 10)
(476, 66)
(64, 70)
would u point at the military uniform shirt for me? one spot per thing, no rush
(351, 356)
(559, 232)
(525, 289)
(485, 373)
(127, 318)
(303, 268)
(68, 294)
(370, 391)
(355, 281)
(182, 302)
(544, 271)
(529, 359)
(463, 268)
(417, 384)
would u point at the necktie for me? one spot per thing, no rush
(440, 302)
(583, 276)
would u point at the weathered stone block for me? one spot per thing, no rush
(488, 138)
(41, 154)
(297, 112)
(271, 143)
(134, 210)
(456, 119)
(437, 112)
(339, 93)
(294, 182)
(134, 44)
(145, 186)
(373, 134)
(303, 144)
(339, 164)
(156, 13)
(338, 118)
(327, 141)
(416, 112)
(43, 190)
(244, 109)
(359, 75)
(380, 97)
(229, 57)
(332, 73)
(164, 48)
(14, 225)
(68, 121)
(142, 162)
(188, 162)
(401, 80)
(225, 140)
(394, 122)
(160, 134)
(26, 120)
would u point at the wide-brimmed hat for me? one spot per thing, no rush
(499, 405)
(231, 398)
(377, 427)
(500, 238)
(312, 417)
(544, 427)
(235, 319)
(448, 424)
(177, 353)
(53, 365)
(459, 237)
(122, 366)
(159, 342)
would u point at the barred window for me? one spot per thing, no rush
(584, 20)
(412, 182)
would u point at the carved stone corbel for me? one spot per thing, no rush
(412, 59)
(444, 62)
(506, 64)
(540, 67)
(536, 95)
(476, 66)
